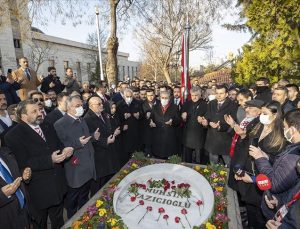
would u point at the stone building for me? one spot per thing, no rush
(18, 39)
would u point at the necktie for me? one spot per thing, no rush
(40, 132)
(27, 73)
(102, 118)
(9, 179)
(219, 106)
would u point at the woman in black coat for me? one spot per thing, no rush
(193, 131)
(268, 136)
(115, 124)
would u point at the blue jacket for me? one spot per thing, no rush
(283, 176)
(9, 91)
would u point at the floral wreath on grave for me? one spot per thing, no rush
(102, 212)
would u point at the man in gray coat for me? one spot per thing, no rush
(80, 168)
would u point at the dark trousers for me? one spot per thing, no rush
(76, 198)
(148, 150)
(96, 185)
(188, 155)
(55, 214)
(255, 217)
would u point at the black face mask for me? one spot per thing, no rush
(260, 89)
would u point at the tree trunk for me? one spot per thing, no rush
(112, 45)
(167, 74)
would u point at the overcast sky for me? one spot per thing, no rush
(223, 41)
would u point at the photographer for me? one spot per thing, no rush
(52, 82)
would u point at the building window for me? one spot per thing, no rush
(51, 63)
(66, 64)
(132, 69)
(128, 71)
(123, 72)
(17, 43)
(88, 67)
(78, 68)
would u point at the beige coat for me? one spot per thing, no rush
(26, 85)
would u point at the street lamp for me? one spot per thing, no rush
(99, 43)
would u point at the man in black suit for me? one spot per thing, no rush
(60, 111)
(11, 110)
(106, 157)
(120, 95)
(218, 139)
(193, 132)
(36, 145)
(129, 111)
(13, 199)
(147, 133)
(101, 93)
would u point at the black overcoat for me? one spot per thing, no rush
(218, 141)
(164, 137)
(106, 161)
(193, 131)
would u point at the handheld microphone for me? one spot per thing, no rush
(263, 183)
(238, 170)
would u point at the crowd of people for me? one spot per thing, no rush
(62, 140)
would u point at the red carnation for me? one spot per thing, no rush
(199, 202)
(141, 202)
(161, 210)
(183, 211)
(132, 199)
(166, 217)
(177, 219)
(149, 208)
(173, 182)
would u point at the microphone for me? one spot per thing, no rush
(238, 170)
(264, 184)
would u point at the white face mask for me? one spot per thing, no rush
(265, 119)
(48, 103)
(164, 102)
(128, 100)
(211, 97)
(287, 135)
(79, 111)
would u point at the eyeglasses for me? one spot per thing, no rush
(38, 99)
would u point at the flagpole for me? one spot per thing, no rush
(99, 44)
(186, 58)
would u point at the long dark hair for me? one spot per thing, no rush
(277, 139)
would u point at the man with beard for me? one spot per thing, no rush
(143, 92)
(129, 111)
(53, 97)
(164, 119)
(147, 107)
(280, 94)
(36, 145)
(193, 133)
(5, 121)
(60, 111)
(263, 92)
(52, 82)
(26, 77)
